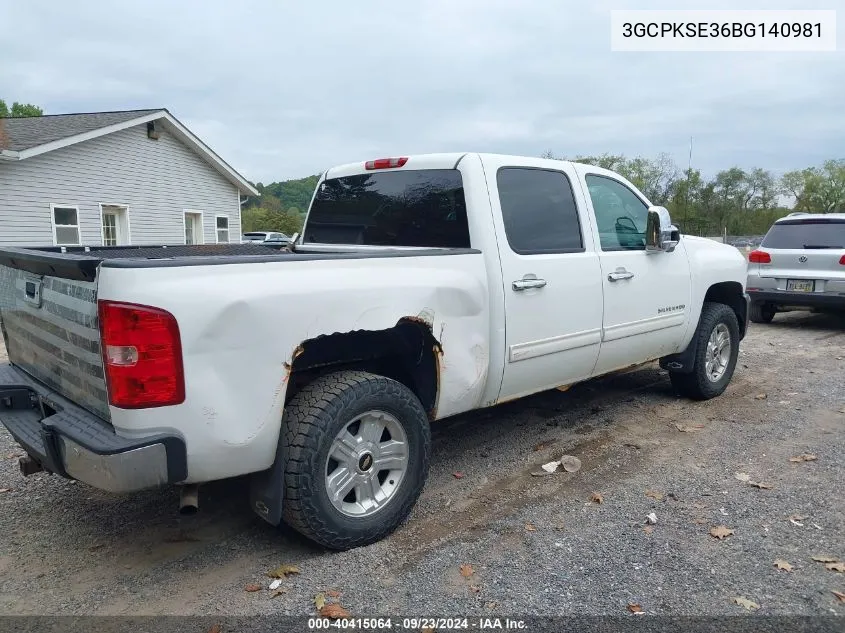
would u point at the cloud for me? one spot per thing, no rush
(283, 90)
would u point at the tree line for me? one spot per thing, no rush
(19, 109)
(739, 201)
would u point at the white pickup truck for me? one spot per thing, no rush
(420, 288)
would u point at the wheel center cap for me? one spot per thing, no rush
(365, 462)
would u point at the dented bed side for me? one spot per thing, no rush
(243, 326)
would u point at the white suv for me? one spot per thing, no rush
(800, 264)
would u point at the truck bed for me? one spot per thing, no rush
(80, 262)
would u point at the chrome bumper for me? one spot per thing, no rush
(71, 442)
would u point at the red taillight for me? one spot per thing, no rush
(759, 257)
(142, 355)
(385, 163)
(842, 260)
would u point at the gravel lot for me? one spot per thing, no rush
(537, 545)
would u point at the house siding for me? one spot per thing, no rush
(156, 180)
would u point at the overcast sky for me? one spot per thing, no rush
(286, 91)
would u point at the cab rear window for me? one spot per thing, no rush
(424, 208)
(801, 234)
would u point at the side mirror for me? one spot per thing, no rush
(660, 234)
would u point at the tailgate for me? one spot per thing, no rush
(50, 328)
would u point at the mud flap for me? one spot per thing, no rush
(266, 490)
(682, 362)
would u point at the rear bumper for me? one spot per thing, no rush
(74, 443)
(804, 299)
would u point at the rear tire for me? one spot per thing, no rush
(322, 444)
(711, 372)
(762, 312)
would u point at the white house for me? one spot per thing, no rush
(114, 178)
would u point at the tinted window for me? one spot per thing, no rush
(815, 233)
(620, 214)
(539, 211)
(396, 208)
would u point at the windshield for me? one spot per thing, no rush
(800, 234)
(423, 208)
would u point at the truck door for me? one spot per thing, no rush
(551, 276)
(646, 295)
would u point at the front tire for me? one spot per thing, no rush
(357, 448)
(717, 348)
(761, 312)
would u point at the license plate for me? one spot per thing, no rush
(800, 285)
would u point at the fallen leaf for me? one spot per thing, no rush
(334, 611)
(467, 571)
(687, 428)
(474, 588)
(493, 605)
(745, 602)
(648, 529)
(283, 571)
(839, 595)
(761, 396)
(699, 521)
(530, 528)
(838, 566)
(331, 593)
(720, 532)
(458, 475)
(319, 601)
(654, 495)
(550, 467)
(596, 498)
(428, 629)
(252, 588)
(279, 592)
(570, 463)
(760, 484)
(743, 476)
(825, 559)
(634, 608)
(804, 457)
(215, 628)
(782, 564)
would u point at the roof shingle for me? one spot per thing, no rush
(20, 133)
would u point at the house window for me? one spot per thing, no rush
(193, 227)
(65, 225)
(222, 229)
(115, 225)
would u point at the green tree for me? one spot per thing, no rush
(19, 109)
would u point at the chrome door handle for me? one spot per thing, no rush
(528, 282)
(619, 273)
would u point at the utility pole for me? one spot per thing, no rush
(689, 176)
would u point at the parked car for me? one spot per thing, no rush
(800, 264)
(266, 237)
(421, 288)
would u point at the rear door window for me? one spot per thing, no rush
(539, 211)
(802, 234)
(424, 208)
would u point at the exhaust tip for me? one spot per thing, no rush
(189, 499)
